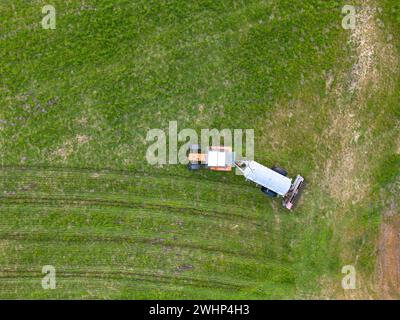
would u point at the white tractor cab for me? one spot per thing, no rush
(274, 182)
(213, 158)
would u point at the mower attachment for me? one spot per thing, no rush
(294, 193)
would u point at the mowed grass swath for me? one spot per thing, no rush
(77, 193)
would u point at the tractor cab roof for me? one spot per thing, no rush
(217, 159)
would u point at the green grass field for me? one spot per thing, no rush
(77, 193)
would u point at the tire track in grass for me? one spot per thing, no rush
(173, 224)
(155, 213)
(137, 257)
(123, 172)
(59, 201)
(100, 289)
(108, 197)
(77, 238)
(43, 180)
(137, 276)
(211, 239)
(166, 243)
(60, 175)
(79, 201)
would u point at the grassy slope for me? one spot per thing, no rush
(76, 191)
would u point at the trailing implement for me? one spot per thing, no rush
(273, 181)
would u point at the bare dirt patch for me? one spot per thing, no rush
(375, 55)
(343, 181)
(365, 38)
(346, 172)
(64, 151)
(69, 147)
(374, 60)
(388, 263)
(82, 139)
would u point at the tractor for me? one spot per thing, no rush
(213, 158)
(274, 181)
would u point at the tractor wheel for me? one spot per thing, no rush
(268, 192)
(193, 166)
(280, 170)
(194, 148)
